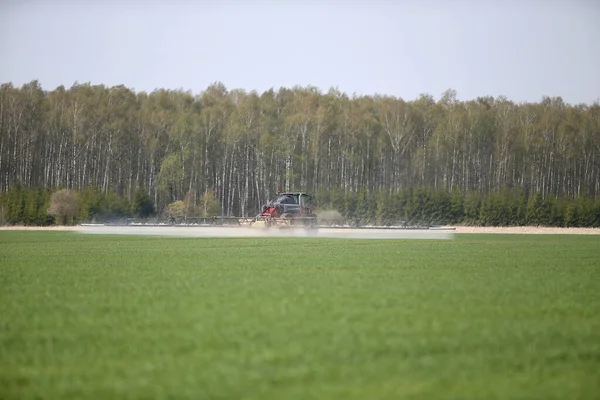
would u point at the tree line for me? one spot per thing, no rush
(422, 206)
(243, 146)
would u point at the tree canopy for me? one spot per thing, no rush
(244, 146)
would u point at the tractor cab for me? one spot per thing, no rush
(287, 198)
(297, 203)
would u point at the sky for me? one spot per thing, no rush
(523, 50)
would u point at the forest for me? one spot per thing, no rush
(487, 161)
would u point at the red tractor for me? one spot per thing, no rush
(289, 210)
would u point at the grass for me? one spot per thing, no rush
(123, 317)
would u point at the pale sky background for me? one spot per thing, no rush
(520, 49)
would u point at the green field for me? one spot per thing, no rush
(124, 317)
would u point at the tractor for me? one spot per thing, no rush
(288, 210)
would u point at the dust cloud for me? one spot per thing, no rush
(243, 232)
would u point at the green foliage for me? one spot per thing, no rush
(571, 217)
(557, 212)
(170, 176)
(442, 210)
(516, 203)
(596, 213)
(337, 198)
(113, 207)
(472, 207)
(506, 208)
(209, 204)
(493, 211)
(510, 207)
(381, 211)
(129, 317)
(22, 206)
(457, 209)
(421, 208)
(98, 206)
(349, 205)
(538, 210)
(3, 212)
(322, 199)
(362, 205)
(143, 206)
(586, 212)
(16, 205)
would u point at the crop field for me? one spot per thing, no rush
(131, 317)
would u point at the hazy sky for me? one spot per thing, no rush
(521, 49)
